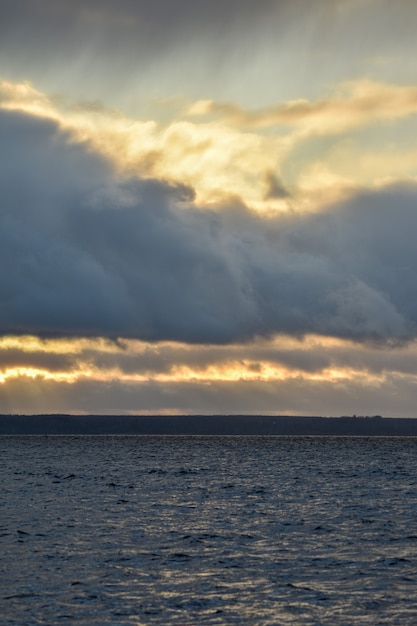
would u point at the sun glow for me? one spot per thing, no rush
(217, 160)
(225, 373)
(223, 152)
(34, 373)
(31, 343)
(136, 362)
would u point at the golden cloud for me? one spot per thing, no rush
(353, 104)
(314, 359)
(222, 151)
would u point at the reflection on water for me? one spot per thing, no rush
(195, 530)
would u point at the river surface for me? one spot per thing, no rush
(208, 530)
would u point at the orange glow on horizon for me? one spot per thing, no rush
(231, 372)
(263, 360)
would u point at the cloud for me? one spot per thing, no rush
(85, 34)
(12, 359)
(283, 375)
(157, 23)
(220, 159)
(130, 361)
(251, 53)
(393, 396)
(275, 187)
(354, 104)
(83, 253)
(216, 160)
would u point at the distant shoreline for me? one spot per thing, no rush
(60, 424)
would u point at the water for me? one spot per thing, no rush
(208, 530)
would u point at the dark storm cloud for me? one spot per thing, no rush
(81, 255)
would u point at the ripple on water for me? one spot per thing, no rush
(177, 530)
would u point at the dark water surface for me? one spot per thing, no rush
(208, 530)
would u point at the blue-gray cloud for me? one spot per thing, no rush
(82, 254)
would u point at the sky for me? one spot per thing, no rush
(208, 207)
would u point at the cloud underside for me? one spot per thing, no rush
(87, 254)
(284, 375)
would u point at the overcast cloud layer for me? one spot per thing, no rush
(128, 52)
(84, 255)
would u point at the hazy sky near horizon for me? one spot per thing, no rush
(208, 207)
